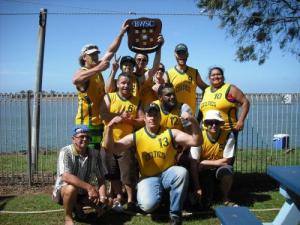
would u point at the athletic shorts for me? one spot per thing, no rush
(120, 167)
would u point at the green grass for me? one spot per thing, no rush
(248, 161)
(41, 202)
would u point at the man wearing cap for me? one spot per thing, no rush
(122, 167)
(77, 166)
(90, 85)
(155, 149)
(142, 76)
(215, 159)
(184, 78)
(127, 64)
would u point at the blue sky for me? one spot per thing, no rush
(66, 34)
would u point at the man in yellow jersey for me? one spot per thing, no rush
(170, 112)
(155, 149)
(122, 167)
(215, 161)
(184, 78)
(90, 85)
(170, 109)
(127, 64)
(143, 76)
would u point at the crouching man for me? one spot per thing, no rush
(156, 148)
(214, 160)
(77, 167)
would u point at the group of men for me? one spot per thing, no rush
(132, 131)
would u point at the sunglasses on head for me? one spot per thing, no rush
(212, 122)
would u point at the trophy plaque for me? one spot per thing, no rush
(143, 33)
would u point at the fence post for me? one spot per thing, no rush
(29, 137)
(39, 75)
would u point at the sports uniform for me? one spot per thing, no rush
(159, 153)
(89, 99)
(185, 85)
(156, 158)
(222, 147)
(218, 100)
(121, 166)
(170, 119)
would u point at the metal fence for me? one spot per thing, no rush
(269, 115)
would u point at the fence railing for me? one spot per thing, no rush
(269, 114)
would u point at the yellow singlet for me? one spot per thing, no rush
(217, 100)
(119, 104)
(170, 120)
(156, 153)
(185, 85)
(213, 150)
(89, 99)
(147, 95)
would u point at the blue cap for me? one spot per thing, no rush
(79, 129)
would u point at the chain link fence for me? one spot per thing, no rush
(270, 136)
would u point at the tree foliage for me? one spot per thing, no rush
(257, 25)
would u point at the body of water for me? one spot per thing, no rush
(269, 114)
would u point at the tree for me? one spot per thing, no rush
(257, 25)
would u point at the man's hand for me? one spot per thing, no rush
(115, 120)
(115, 63)
(126, 117)
(160, 40)
(239, 126)
(124, 28)
(93, 195)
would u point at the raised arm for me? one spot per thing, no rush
(239, 96)
(83, 75)
(193, 139)
(110, 85)
(150, 73)
(115, 45)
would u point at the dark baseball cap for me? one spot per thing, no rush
(152, 107)
(181, 48)
(127, 58)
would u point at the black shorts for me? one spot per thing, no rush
(120, 167)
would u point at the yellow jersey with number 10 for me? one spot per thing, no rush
(217, 100)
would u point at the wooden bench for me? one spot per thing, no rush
(236, 216)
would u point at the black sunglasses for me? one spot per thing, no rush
(212, 122)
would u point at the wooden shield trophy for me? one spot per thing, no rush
(143, 33)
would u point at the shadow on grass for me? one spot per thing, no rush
(4, 200)
(109, 217)
(247, 188)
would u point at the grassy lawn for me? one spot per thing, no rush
(252, 188)
(256, 191)
(40, 202)
(248, 161)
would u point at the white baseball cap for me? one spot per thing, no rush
(213, 115)
(89, 49)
